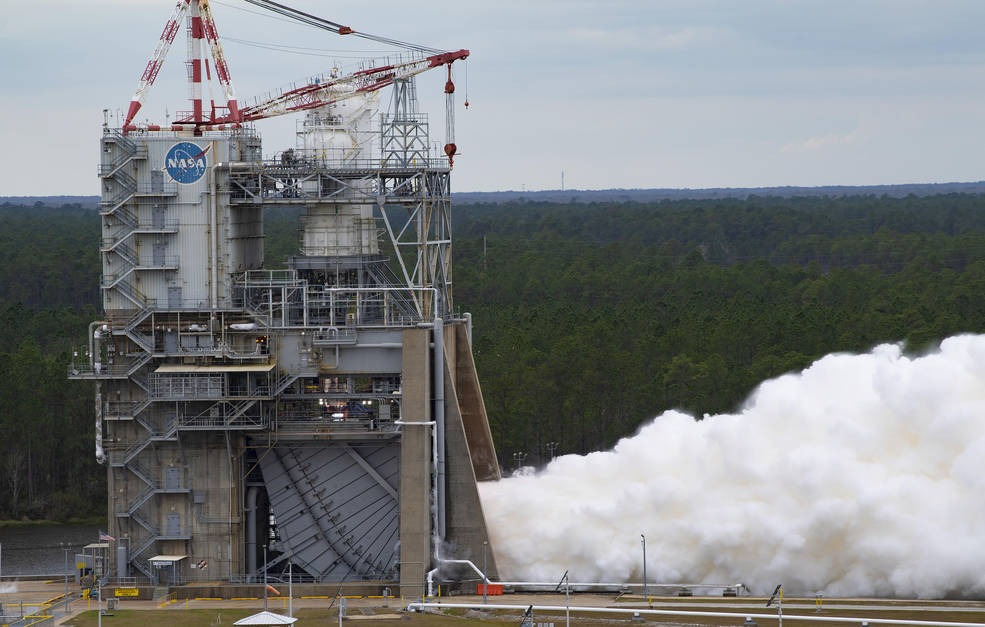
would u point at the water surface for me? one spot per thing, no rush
(39, 550)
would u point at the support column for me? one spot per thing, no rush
(416, 450)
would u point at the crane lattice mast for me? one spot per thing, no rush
(319, 91)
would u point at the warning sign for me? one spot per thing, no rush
(127, 592)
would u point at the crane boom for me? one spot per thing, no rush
(219, 58)
(318, 92)
(324, 90)
(171, 28)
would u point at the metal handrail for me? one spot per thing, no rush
(733, 615)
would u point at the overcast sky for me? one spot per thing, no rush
(635, 94)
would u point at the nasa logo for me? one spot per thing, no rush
(186, 162)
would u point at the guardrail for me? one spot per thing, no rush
(738, 615)
(40, 617)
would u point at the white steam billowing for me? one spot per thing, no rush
(862, 475)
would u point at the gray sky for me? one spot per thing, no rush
(645, 93)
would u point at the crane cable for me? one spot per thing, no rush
(330, 53)
(335, 27)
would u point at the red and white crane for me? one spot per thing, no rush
(318, 92)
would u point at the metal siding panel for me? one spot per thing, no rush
(190, 208)
(322, 491)
(172, 478)
(173, 527)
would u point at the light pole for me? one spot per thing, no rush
(778, 595)
(264, 577)
(290, 589)
(552, 449)
(485, 579)
(66, 549)
(645, 591)
(518, 459)
(567, 609)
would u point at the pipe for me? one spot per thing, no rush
(468, 327)
(213, 227)
(232, 501)
(593, 584)
(95, 354)
(603, 584)
(633, 611)
(92, 336)
(467, 563)
(439, 419)
(441, 561)
(430, 580)
(95, 344)
(100, 453)
(251, 530)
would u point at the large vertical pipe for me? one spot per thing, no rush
(214, 239)
(233, 494)
(96, 349)
(251, 530)
(439, 417)
(100, 453)
(95, 354)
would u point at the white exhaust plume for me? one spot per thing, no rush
(862, 475)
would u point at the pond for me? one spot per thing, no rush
(39, 550)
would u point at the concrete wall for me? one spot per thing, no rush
(215, 516)
(473, 408)
(465, 522)
(415, 463)
(208, 504)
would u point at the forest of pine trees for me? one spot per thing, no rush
(590, 319)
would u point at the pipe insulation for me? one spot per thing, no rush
(100, 453)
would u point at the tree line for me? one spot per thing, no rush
(590, 319)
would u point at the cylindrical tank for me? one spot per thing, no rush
(340, 135)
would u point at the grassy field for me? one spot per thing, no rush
(226, 617)
(941, 611)
(789, 619)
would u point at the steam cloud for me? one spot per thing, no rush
(861, 475)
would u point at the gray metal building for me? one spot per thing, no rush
(325, 416)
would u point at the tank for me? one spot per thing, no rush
(342, 133)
